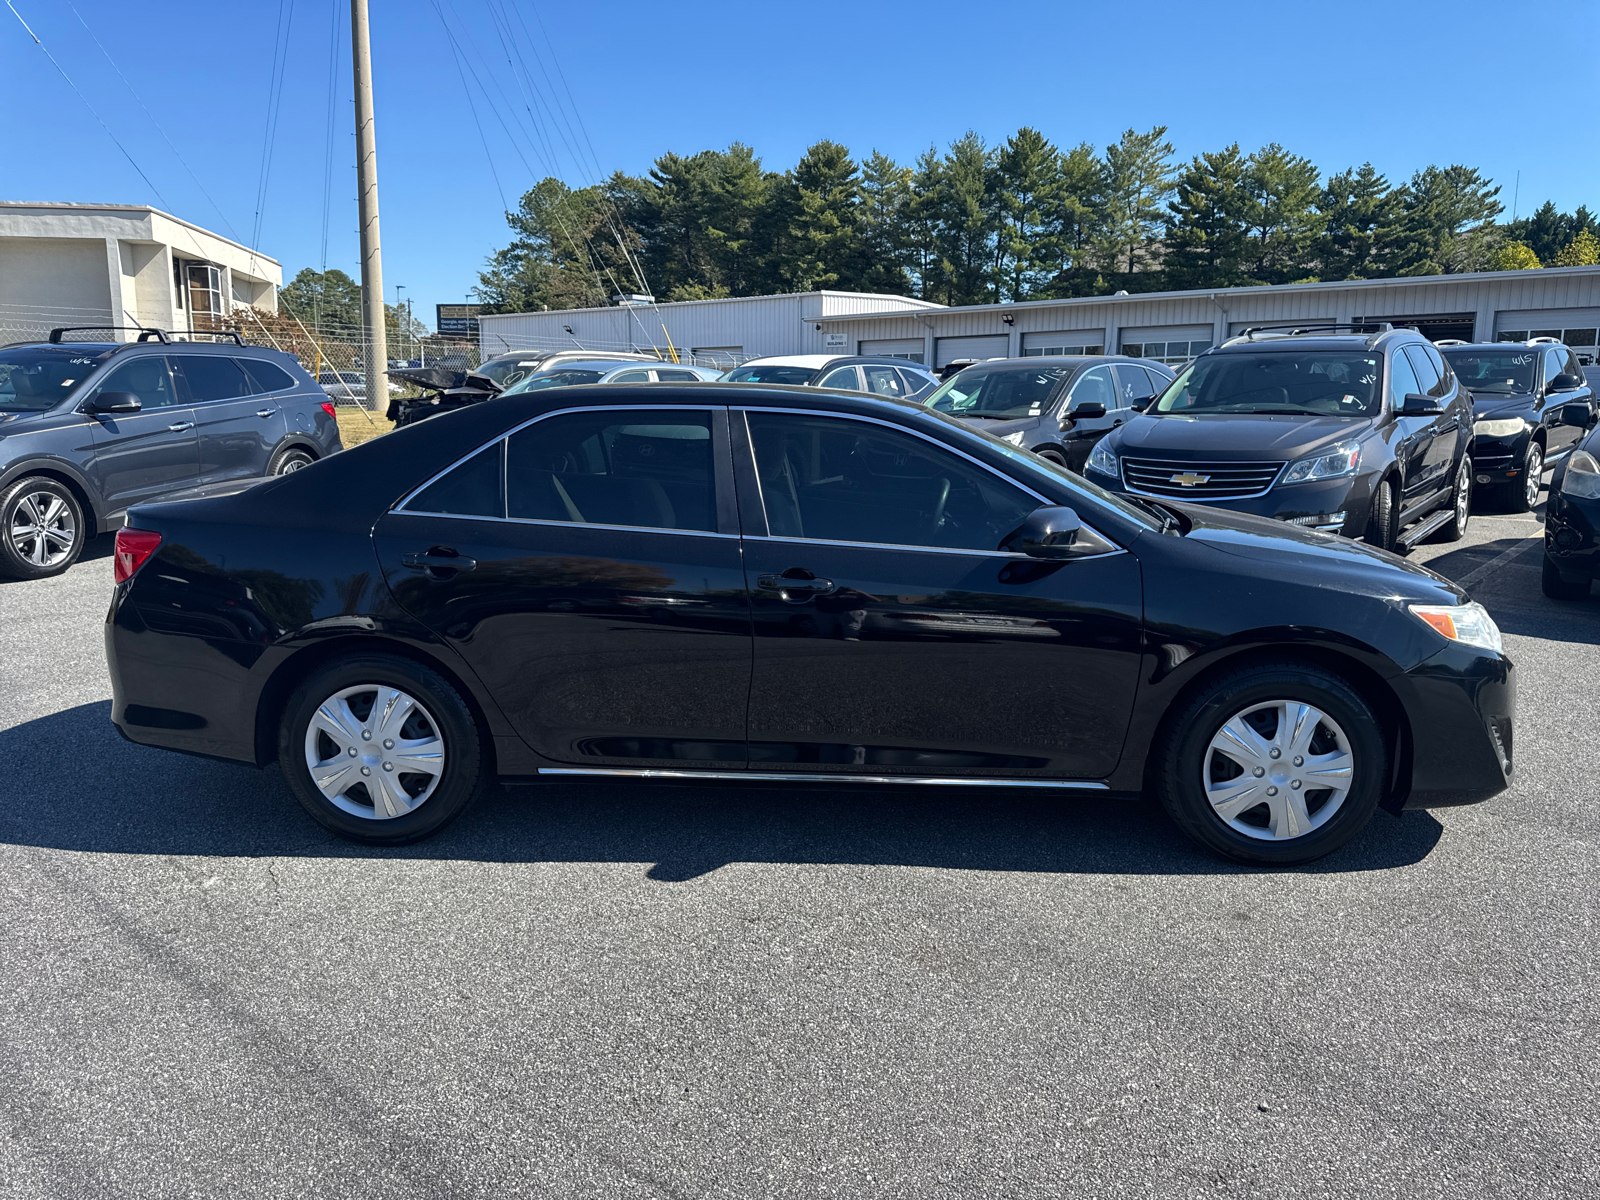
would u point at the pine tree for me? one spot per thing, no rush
(1029, 179)
(885, 224)
(1282, 213)
(1138, 180)
(968, 221)
(1359, 211)
(1438, 207)
(1206, 242)
(826, 227)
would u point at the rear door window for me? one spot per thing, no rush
(640, 376)
(211, 377)
(666, 376)
(1133, 383)
(883, 381)
(650, 469)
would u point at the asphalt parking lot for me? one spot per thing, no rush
(678, 991)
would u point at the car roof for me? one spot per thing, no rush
(789, 360)
(1321, 341)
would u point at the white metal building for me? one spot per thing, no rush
(715, 332)
(121, 264)
(1561, 302)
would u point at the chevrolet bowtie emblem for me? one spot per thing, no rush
(1190, 479)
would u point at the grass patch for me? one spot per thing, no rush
(356, 425)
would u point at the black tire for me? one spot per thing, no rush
(1517, 497)
(1052, 455)
(1184, 753)
(443, 714)
(1461, 503)
(55, 542)
(289, 459)
(1558, 586)
(1383, 517)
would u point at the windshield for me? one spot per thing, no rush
(1293, 382)
(1500, 372)
(508, 371)
(39, 378)
(770, 374)
(554, 379)
(1000, 393)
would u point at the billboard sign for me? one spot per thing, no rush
(457, 318)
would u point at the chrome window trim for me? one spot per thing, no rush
(1094, 785)
(560, 412)
(982, 466)
(413, 512)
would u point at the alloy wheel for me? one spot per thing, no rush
(43, 529)
(374, 752)
(1535, 474)
(1277, 770)
(1464, 495)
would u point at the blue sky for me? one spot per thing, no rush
(1495, 86)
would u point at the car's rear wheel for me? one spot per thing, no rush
(1460, 503)
(1524, 496)
(1274, 764)
(380, 749)
(43, 528)
(1561, 587)
(1384, 517)
(289, 459)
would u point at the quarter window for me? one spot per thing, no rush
(147, 378)
(265, 377)
(476, 488)
(647, 468)
(839, 480)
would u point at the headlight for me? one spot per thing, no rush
(1331, 463)
(1508, 427)
(1101, 459)
(1015, 438)
(1582, 477)
(1469, 624)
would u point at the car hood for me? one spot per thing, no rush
(19, 422)
(1292, 551)
(1223, 437)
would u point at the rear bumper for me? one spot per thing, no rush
(1461, 706)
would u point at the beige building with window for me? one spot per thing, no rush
(121, 264)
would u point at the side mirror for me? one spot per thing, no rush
(1086, 410)
(1418, 405)
(1576, 415)
(115, 402)
(1142, 403)
(1564, 383)
(1047, 532)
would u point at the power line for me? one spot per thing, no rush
(89, 106)
(280, 68)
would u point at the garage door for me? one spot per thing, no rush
(1577, 327)
(1172, 344)
(908, 348)
(1071, 341)
(947, 350)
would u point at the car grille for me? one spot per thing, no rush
(1199, 480)
(1491, 462)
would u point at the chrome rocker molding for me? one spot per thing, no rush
(1087, 785)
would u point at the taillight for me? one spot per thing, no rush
(327, 407)
(133, 547)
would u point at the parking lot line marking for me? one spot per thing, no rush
(1499, 560)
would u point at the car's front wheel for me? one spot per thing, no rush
(380, 749)
(1524, 496)
(1274, 764)
(1383, 519)
(1053, 456)
(1560, 587)
(43, 528)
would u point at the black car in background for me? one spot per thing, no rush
(1572, 516)
(89, 428)
(1519, 390)
(1361, 434)
(754, 583)
(1058, 406)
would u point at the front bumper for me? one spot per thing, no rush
(1331, 505)
(1571, 539)
(1461, 705)
(1497, 462)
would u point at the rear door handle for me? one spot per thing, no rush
(264, 413)
(787, 583)
(438, 558)
(180, 426)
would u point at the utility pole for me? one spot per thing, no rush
(367, 183)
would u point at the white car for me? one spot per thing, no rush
(899, 378)
(600, 370)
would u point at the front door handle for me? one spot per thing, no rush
(437, 559)
(264, 413)
(790, 583)
(180, 426)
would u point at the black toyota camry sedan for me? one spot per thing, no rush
(768, 583)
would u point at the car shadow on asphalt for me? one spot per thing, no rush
(110, 796)
(102, 546)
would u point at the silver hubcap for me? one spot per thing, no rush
(293, 463)
(1464, 497)
(42, 529)
(1277, 770)
(374, 751)
(1535, 474)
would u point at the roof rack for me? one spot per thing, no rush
(1294, 328)
(1544, 341)
(184, 336)
(1452, 342)
(145, 332)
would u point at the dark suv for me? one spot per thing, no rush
(1364, 434)
(89, 428)
(1519, 391)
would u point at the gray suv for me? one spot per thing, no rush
(88, 429)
